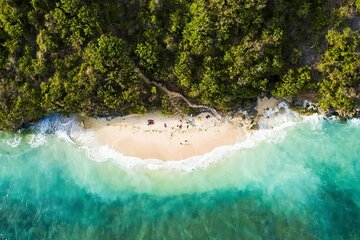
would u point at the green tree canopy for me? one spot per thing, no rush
(340, 68)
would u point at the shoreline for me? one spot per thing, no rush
(170, 138)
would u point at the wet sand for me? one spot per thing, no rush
(169, 137)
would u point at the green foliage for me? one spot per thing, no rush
(253, 61)
(72, 56)
(109, 71)
(11, 19)
(294, 82)
(19, 103)
(148, 55)
(74, 21)
(166, 106)
(153, 90)
(340, 67)
(45, 42)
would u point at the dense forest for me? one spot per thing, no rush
(73, 56)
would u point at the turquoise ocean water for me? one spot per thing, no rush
(296, 178)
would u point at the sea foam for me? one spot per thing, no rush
(272, 187)
(272, 128)
(14, 141)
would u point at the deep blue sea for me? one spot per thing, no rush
(296, 178)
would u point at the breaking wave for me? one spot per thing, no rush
(273, 126)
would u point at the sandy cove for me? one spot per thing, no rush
(169, 137)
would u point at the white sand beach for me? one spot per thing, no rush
(169, 137)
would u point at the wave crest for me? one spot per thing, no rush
(272, 128)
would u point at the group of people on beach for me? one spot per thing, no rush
(181, 124)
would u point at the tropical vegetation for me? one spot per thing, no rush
(73, 56)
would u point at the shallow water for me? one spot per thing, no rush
(301, 181)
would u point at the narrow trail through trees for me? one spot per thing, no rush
(177, 95)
